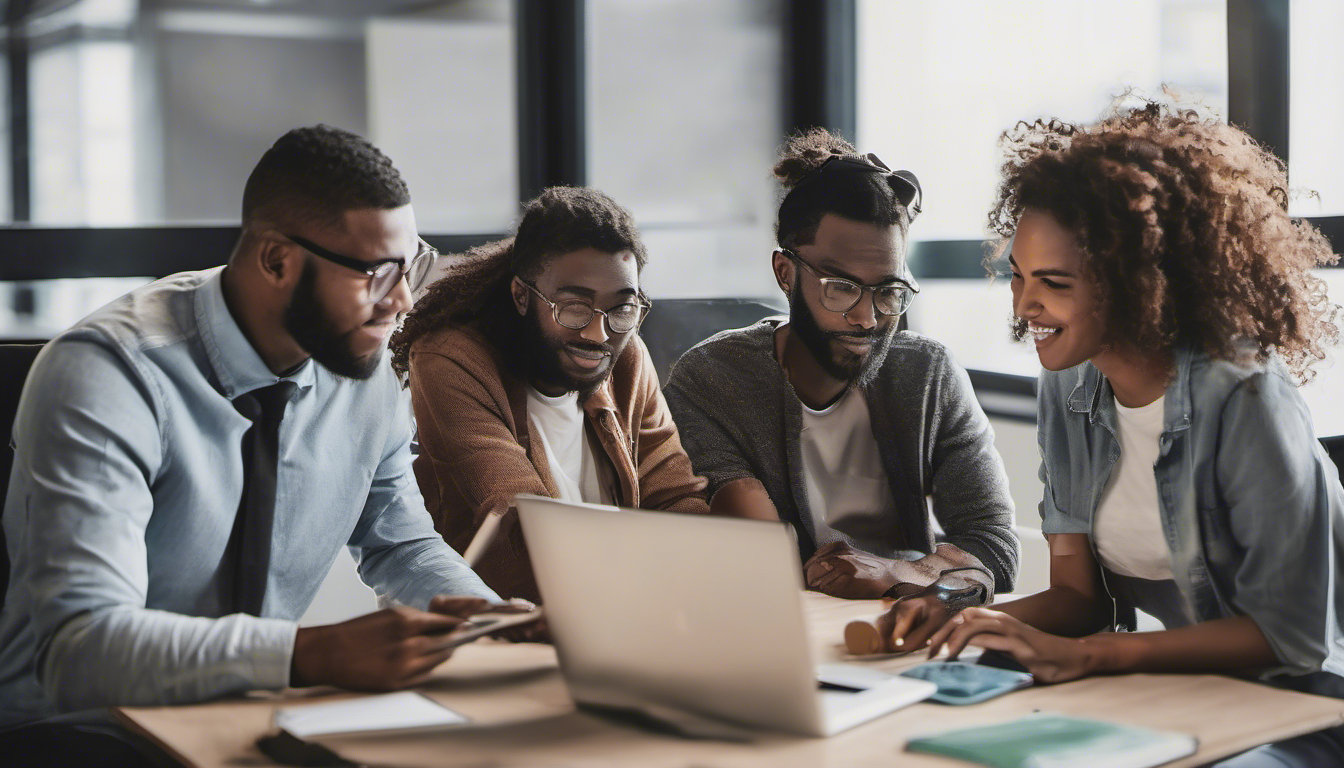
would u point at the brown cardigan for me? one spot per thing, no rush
(476, 448)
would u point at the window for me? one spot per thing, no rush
(684, 119)
(1316, 107)
(158, 117)
(939, 82)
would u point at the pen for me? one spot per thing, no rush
(485, 536)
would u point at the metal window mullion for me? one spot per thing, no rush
(821, 66)
(552, 109)
(20, 128)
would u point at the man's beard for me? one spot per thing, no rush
(307, 321)
(857, 371)
(541, 357)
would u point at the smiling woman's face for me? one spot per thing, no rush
(1051, 293)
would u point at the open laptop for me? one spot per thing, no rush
(694, 613)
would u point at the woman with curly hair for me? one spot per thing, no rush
(1170, 300)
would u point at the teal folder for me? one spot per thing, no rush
(1048, 741)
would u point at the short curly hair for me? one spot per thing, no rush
(863, 197)
(476, 290)
(317, 173)
(1183, 224)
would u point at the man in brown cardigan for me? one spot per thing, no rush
(527, 375)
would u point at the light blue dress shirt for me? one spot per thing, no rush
(124, 491)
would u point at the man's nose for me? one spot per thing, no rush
(398, 300)
(863, 314)
(596, 329)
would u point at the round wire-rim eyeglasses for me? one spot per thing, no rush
(576, 314)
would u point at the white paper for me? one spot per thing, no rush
(389, 712)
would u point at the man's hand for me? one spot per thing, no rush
(382, 651)
(466, 607)
(840, 570)
(1050, 658)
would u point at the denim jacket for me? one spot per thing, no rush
(1250, 503)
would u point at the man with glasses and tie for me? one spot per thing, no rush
(192, 458)
(837, 422)
(527, 375)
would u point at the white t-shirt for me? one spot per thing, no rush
(1128, 525)
(847, 488)
(559, 422)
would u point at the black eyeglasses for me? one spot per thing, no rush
(577, 313)
(383, 273)
(841, 295)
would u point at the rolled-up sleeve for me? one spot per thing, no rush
(88, 434)
(400, 555)
(1283, 499)
(969, 484)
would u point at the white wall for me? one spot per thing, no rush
(1016, 443)
(342, 595)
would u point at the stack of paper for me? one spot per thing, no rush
(392, 712)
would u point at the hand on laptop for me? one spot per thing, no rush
(843, 571)
(382, 651)
(466, 607)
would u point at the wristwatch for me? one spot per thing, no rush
(955, 598)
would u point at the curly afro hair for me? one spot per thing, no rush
(560, 220)
(1183, 223)
(315, 174)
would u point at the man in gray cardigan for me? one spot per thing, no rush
(836, 422)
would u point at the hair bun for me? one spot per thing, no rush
(804, 152)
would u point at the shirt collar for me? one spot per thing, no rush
(238, 367)
(1092, 387)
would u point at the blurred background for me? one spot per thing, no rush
(130, 126)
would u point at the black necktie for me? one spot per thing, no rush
(250, 542)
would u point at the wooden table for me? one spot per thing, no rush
(522, 717)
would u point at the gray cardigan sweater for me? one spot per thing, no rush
(739, 417)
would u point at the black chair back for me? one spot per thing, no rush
(15, 362)
(1334, 447)
(676, 325)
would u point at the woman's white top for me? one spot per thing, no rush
(1128, 523)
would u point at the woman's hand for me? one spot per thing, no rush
(1050, 658)
(910, 623)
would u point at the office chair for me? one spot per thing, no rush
(15, 362)
(675, 325)
(1334, 448)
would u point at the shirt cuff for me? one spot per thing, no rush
(273, 653)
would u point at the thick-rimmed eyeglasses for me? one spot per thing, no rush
(576, 314)
(841, 295)
(383, 273)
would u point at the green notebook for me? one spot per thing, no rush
(1047, 740)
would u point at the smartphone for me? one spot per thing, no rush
(1000, 660)
(962, 683)
(486, 623)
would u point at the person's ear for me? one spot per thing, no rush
(278, 261)
(521, 295)
(784, 270)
